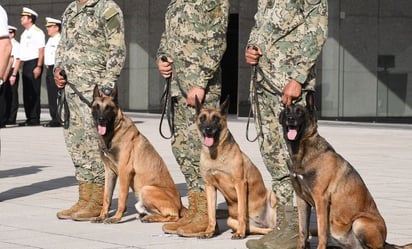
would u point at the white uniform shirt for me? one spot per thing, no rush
(4, 27)
(31, 41)
(15, 51)
(50, 50)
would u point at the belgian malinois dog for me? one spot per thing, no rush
(127, 154)
(323, 179)
(224, 167)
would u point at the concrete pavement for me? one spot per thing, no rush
(36, 181)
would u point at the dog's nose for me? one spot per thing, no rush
(208, 130)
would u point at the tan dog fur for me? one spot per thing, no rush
(224, 167)
(323, 179)
(127, 154)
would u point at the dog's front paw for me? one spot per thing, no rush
(98, 219)
(206, 235)
(111, 220)
(238, 236)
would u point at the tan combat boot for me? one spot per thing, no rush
(93, 207)
(284, 236)
(85, 191)
(199, 221)
(187, 217)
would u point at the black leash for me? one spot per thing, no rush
(167, 105)
(255, 103)
(62, 106)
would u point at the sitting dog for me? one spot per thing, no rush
(127, 153)
(324, 180)
(223, 166)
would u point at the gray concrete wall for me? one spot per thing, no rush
(350, 82)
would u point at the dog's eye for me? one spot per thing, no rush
(202, 118)
(215, 118)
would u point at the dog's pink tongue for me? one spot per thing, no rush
(208, 141)
(101, 129)
(292, 134)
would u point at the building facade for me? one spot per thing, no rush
(363, 71)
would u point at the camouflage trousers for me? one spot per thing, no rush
(272, 144)
(186, 144)
(82, 140)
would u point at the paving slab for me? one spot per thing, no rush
(37, 180)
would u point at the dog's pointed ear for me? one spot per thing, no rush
(198, 105)
(282, 115)
(310, 101)
(114, 94)
(96, 92)
(224, 107)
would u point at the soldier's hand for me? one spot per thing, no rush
(59, 79)
(292, 91)
(165, 67)
(191, 96)
(252, 55)
(36, 72)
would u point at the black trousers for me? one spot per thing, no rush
(3, 118)
(51, 93)
(12, 99)
(31, 92)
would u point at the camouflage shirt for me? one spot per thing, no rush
(195, 38)
(291, 34)
(92, 46)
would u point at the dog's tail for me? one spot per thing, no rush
(390, 246)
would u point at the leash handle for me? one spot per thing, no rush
(63, 74)
(63, 113)
(163, 58)
(166, 106)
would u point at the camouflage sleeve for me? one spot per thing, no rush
(274, 20)
(63, 40)
(162, 47)
(216, 44)
(254, 34)
(114, 29)
(314, 37)
(206, 59)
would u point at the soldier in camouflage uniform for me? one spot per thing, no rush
(91, 51)
(283, 47)
(194, 42)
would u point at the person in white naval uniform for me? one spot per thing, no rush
(53, 31)
(5, 51)
(12, 83)
(32, 42)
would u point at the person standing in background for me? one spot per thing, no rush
(32, 42)
(193, 42)
(5, 51)
(283, 46)
(12, 83)
(53, 31)
(91, 51)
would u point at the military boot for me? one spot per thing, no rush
(199, 221)
(187, 217)
(93, 207)
(85, 191)
(284, 236)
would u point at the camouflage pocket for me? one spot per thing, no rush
(215, 10)
(112, 18)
